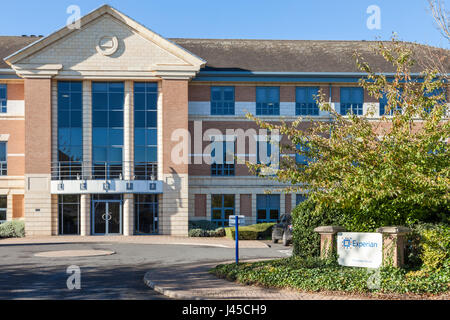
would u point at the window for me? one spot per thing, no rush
(70, 129)
(299, 199)
(222, 208)
(145, 129)
(267, 101)
(352, 101)
(222, 101)
(3, 208)
(107, 127)
(3, 160)
(267, 208)
(301, 158)
(69, 214)
(223, 165)
(434, 94)
(3, 98)
(384, 104)
(146, 213)
(306, 104)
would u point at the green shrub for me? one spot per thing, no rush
(428, 246)
(202, 224)
(12, 229)
(314, 274)
(199, 233)
(304, 220)
(253, 232)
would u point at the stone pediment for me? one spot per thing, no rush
(108, 45)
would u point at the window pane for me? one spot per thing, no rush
(3, 202)
(228, 201)
(216, 201)
(2, 151)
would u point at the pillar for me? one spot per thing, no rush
(128, 214)
(394, 244)
(328, 239)
(85, 215)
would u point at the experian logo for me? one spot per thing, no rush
(349, 243)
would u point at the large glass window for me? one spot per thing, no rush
(3, 159)
(384, 105)
(70, 129)
(3, 98)
(107, 126)
(145, 129)
(223, 165)
(69, 214)
(222, 101)
(352, 101)
(306, 104)
(267, 101)
(146, 214)
(300, 198)
(3, 208)
(222, 207)
(268, 208)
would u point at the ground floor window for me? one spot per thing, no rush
(146, 214)
(222, 208)
(267, 208)
(3, 207)
(69, 214)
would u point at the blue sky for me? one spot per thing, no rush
(251, 19)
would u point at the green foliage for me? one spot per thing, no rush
(253, 232)
(428, 247)
(12, 229)
(201, 233)
(305, 219)
(393, 171)
(315, 275)
(202, 224)
(205, 229)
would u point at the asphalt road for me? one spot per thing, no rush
(120, 276)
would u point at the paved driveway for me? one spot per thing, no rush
(120, 276)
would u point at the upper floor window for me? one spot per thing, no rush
(222, 101)
(107, 128)
(3, 159)
(434, 94)
(3, 208)
(267, 101)
(223, 162)
(384, 106)
(300, 157)
(352, 101)
(3, 98)
(145, 129)
(306, 104)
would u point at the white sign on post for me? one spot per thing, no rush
(360, 249)
(233, 221)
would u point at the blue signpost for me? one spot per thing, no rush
(236, 221)
(237, 239)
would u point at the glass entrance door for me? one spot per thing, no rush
(107, 218)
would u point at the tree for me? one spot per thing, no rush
(392, 171)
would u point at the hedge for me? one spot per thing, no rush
(205, 229)
(12, 229)
(305, 241)
(253, 232)
(314, 275)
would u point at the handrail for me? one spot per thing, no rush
(125, 170)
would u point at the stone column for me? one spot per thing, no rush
(85, 215)
(128, 158)
(328, 239)
(394, 242)
(128, 215)
(87, 129)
